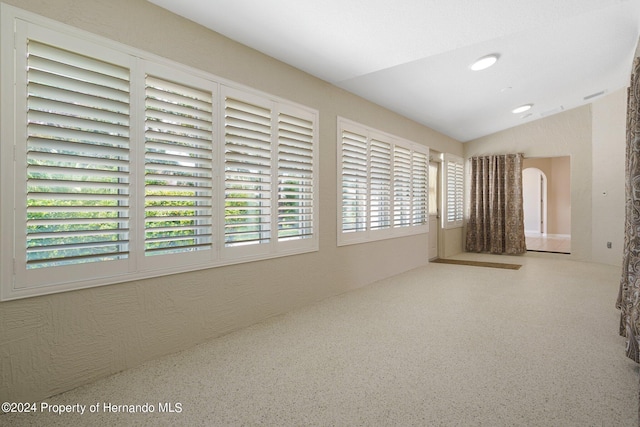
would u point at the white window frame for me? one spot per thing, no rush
(356, 163)
(273, 244)
(16, 280)
(452, 191)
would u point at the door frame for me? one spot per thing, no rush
(437, 227)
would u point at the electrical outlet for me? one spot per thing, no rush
(608, 245)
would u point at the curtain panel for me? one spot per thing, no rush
(629, 294)
(496, 220)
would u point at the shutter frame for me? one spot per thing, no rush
(353, 181)
(179, 156)
(420, 188)
(382, 185)
(453, 191)
(401, 186)
(77, 159)
(296, 208)
(380, 175)
(248, 170)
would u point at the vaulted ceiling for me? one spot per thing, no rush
(414, 56)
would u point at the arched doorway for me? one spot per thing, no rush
(546, 185)
(534, 193)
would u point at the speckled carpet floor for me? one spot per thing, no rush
(441, 345)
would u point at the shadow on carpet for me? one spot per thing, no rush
(478, 263)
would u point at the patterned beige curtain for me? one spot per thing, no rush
(496, 221)
(629, 295)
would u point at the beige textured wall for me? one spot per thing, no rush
(564, 134)
(609, 142)
(560, 196)
(53, 343)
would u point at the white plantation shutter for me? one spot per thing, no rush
(77, 155)
(118, 165)
(247, 173)
(354, 181)
(420, 188)
(295, 176)
(380, 183)
(384, 185)
(178, 167)
(401, 186)
(454, 191)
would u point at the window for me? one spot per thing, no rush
(295, 175)
(67, 196)
(355, 183)
(383, 185)
(118, 165)
(247, 173)
(269, 175)
(77, 159)
(420, 189)
(401, 186)
(453, 191)
(178, 158)
(380, 184)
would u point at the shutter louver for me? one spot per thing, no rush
(459, 184)
(380, 179)
(454, 193)
(77, 158)
(354, 182)
(247, 173)
(401, 186)
(295, 177)
(178, 168)
(420, 188)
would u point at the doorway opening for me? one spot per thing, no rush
(547, 204)
(534, 187)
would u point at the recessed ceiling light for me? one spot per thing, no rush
(485, 62)
(522, 109)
